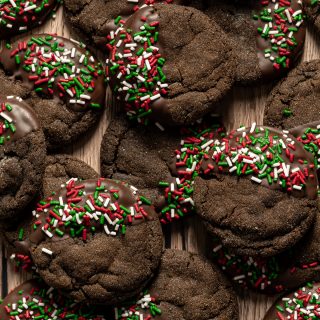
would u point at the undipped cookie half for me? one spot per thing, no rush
(295, 100)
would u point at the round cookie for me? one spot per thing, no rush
(170, 65)
(274, 191)
(22, 154)
(187, 287)
(96, 18)
(256, 43)
(59, 169)
(21, 16)
(300, 304)
(151, 160)
(102, 221)
(34, 300)
(62, 82)
(294, 101)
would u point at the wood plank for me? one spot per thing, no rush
(243, 106)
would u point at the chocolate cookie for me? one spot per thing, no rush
(96, 18)
(187, 287)
(20, 16)
(169, 64)
(59, 169)
(162, 165)
(273, 197)
(300, 304)
(102, 221)
(312, 10)
(22, 154)
(294, 101)
(61, 81)
(34, 300)
(268, 36)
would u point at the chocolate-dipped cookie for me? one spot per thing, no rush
(18, 16)
(162, 165)
(268, 184)
(300, 304)
(97, 18)
(186, 287)
(268, 36)
(102, 221)
(59, 170)
(35, 300)
(62, 82)
(22, 155)
(294, 101)
(170, 65)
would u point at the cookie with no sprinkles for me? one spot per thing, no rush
(268, 183)
(169, 64)
(22, 155)
(95, 19)
(102, 221)
(294, 101)
(162, 165)
(186, 287)
(61, 80)
(259, 40)
(21, 16)
(59, 169)
(35, 300)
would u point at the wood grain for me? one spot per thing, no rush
(243, 106)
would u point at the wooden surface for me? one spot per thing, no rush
(244, 106)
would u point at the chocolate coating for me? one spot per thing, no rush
(288, 306)
(188, 287)
(198, 66)
(21, 158)
(120, 266)
(45, 302)
(25, 17)
(63, 117)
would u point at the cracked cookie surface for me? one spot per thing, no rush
(254, 28)
(188, 287)
(22, 155)
(295, 100)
